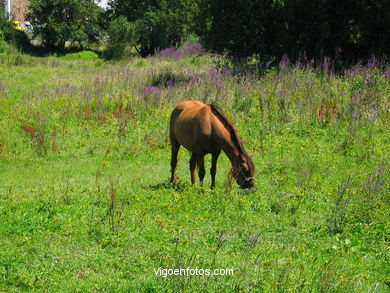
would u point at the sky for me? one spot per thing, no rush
(103, 3)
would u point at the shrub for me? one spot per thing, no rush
(83, 55)
(12, 35)
(59, 21)
(2, 43)
(121, 34)
(159, 24)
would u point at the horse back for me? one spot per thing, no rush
(191, 125)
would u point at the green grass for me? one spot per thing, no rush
(85, 203)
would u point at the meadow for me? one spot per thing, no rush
(85, 204)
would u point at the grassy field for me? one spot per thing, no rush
(85, 203)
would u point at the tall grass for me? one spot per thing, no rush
(84, 152)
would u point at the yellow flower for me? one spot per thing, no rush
(344, 278)
(159, 219)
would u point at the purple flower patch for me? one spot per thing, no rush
(151, 90)
(310, 65)
(372, 63)
(186, 50)
(285, 60)
(151, 94)
(326, 64)
(387, 74)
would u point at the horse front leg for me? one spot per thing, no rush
(175, 149)
(201, 171)
(193, 167)
(213, 170)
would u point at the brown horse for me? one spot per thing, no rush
(202, 129)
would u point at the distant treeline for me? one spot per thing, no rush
(343, 29)
(317, 28)
(346, 29)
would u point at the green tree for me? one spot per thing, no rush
(121, 34)
(159, 24)
(2, 43)
(346, 29)
(59, 21)
(239, 27)
(13, 36)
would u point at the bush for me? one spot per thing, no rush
(60, 21)
(295, 27)
(159, 24)
(19, 39)
(2, 43)
(83, 55)
(11, 35)
(121, 34)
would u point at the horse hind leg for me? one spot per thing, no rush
(175, 149)
(201, 171)
(213, 170)
(193, 167)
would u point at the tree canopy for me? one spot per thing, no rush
(268, 28)
(159, 24)
(316, 28)
(59, 21)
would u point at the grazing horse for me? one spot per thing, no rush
(202, 129)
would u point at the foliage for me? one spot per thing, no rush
(84, 164)
(315, 28)
(83, 55)
(11, 35)
(159, 24)
(2, 43)
(59, 21)
(121, 34)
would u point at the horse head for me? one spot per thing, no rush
(244, 171)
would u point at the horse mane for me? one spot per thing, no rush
(233, 133)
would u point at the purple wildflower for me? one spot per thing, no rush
(310, 65)
(151, 94)
(170, 83)
(195, 78)
(326, 64)
(285, 61)
(186, 50)
(372, 63)
(357, 69)
(193, 49)
(225, 70)
(387, 74)
(151, 90)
